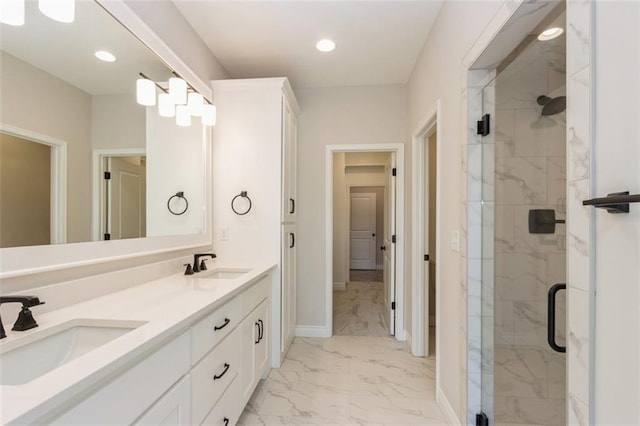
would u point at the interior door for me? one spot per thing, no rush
(363, 231)
(389, 262)
(126, 197)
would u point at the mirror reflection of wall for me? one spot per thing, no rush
(52, 86)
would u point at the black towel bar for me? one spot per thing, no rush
(616, 202)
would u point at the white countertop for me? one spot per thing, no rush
(169, 306)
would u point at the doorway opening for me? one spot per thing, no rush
(33, 180)
(119, 194)
(365, 226)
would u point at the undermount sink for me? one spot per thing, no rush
(223, 273)
(37, 354)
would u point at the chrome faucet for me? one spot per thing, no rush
(25, 319)
(199, 265)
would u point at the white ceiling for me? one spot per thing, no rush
(378, 42)
(66, 51)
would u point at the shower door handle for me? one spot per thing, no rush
(551, 317)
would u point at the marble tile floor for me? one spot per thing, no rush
(359, 310)
(347, 380)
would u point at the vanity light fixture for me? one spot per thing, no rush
(550, 34)
(178, 90)
(103, 55)
(183, 117)
(166, 107)
(145, 91)
(58, 10)
(12, 12)
(195, 102)
(325, 45)
(209, 115)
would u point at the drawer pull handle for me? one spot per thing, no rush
(258, 338)
(220, 327)
(261, 330)
(226, 421)
(219, 376)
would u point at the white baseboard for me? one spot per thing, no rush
(447, 410)
(312, 331)
(340, 286)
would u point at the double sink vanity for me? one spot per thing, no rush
(187, 349)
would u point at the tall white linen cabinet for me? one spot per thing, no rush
(254, 152)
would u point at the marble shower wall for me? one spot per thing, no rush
(529, 155)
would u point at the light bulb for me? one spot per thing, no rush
(325, 45)
(12, 12)
(195, 103)
(166, 108)
(58, 10)
(209, 115)
(183, 118)
(145, 92)
(178, 90)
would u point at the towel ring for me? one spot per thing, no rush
(242, 194)
(186, 203)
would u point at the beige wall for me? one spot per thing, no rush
(25, 186)
(34, 100)
(438, 75)
(341, 115)
(117, 121)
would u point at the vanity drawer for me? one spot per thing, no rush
(227, 409)
(255, 294)
(213, 375)
(209, 331)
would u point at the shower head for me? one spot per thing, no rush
(552, 106)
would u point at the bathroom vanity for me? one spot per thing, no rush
(181, 349)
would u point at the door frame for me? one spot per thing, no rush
(398, 149)
(58, 178)
(348, 245)
(429, 125)
(97, 192)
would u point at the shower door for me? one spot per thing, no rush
(524, 237)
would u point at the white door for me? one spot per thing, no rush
(126, 197)
(389, 261)
(288, 287)
(363, 231)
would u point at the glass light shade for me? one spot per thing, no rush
(209, 115)
(145, 92)
(178, 90)
(12, 12)
(183, 117)
(166, 108)
(58, 10)
(195, 102)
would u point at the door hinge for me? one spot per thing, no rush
(107, 175)
(426, 257)
(483, 125)
(393, 306)
(393, 239)
(482, 419)
(394, 171)
(107, 237)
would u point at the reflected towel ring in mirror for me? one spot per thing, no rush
(179, 195)
(242, 194)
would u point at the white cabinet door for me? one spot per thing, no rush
(289, 162)
(288, 289)
(261, 348)
(248, 336)
(174, 408)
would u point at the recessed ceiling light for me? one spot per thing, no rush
(103, 55)
(550, 34)
(325, 45)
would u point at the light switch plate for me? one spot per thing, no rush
(455, 240)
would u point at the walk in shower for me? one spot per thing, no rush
(524, 233)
